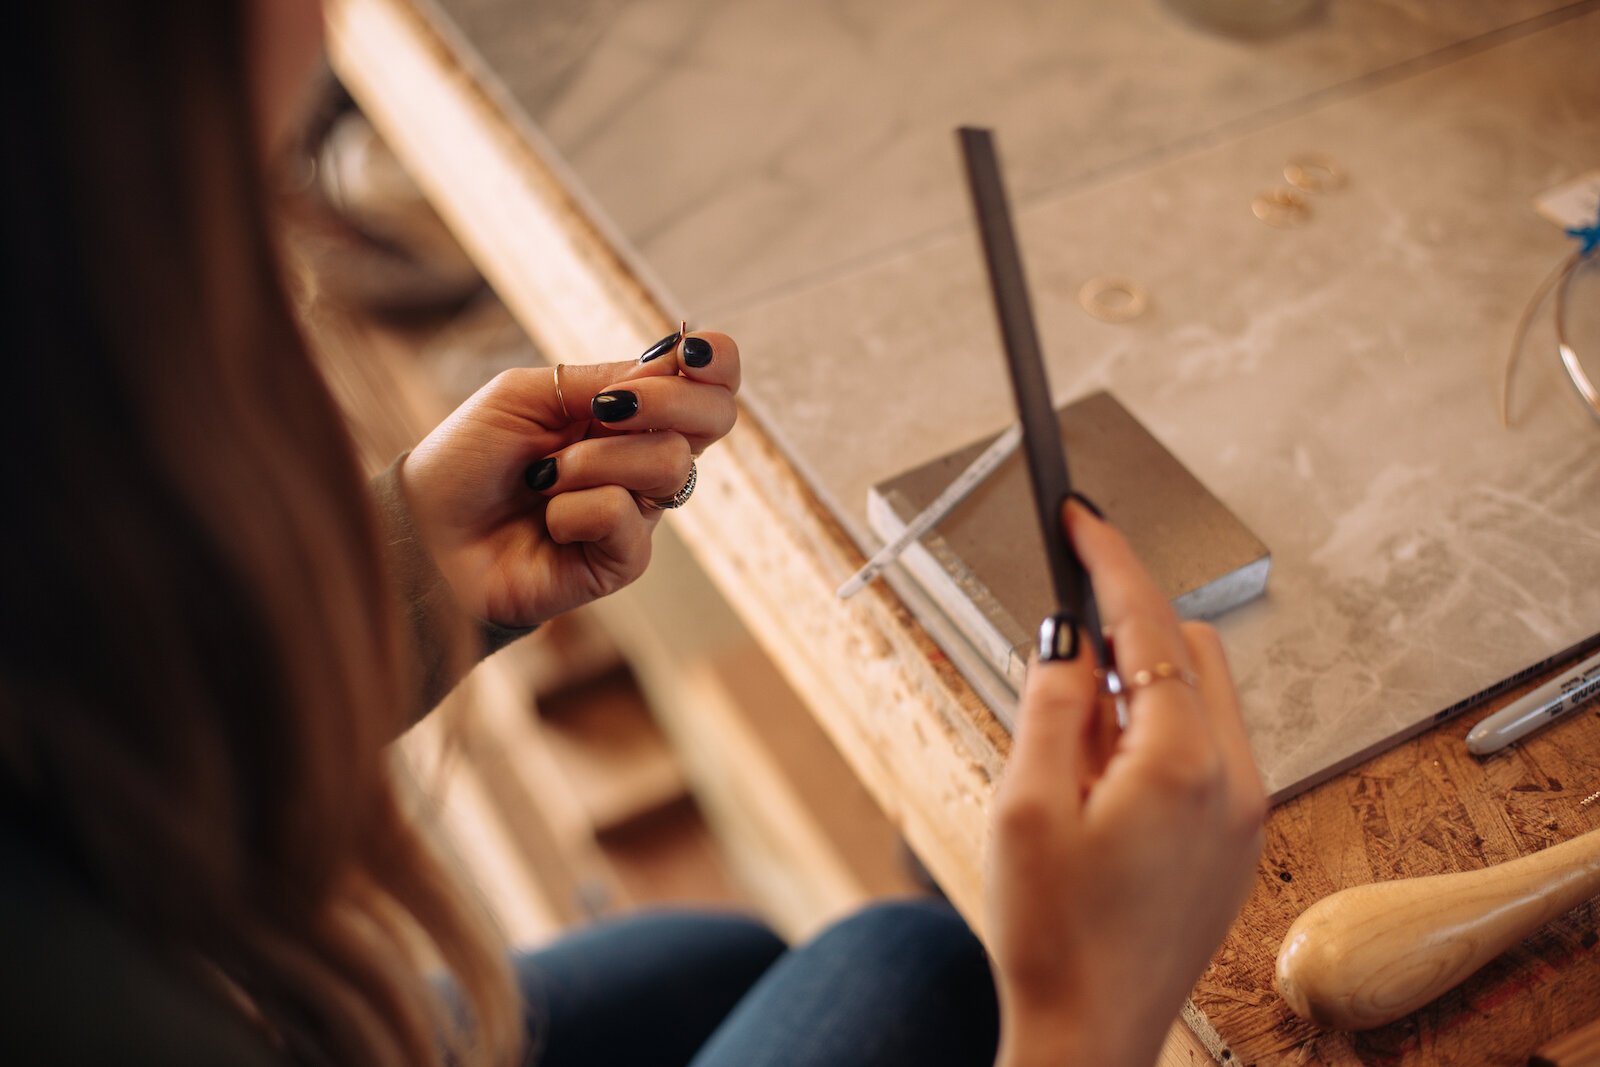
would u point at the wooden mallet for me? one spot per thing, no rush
(1367, 955)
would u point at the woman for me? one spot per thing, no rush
(208, 634)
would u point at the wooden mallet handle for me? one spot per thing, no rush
(1370, 954)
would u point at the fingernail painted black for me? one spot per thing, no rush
(661, 347)
(614, 405)
(1058, 639)
(696, 351)
(541, 475)
(1094, 509)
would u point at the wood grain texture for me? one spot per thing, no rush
(1425, 808)
(1579, 1048)
(802, 835)
(903, 718)
(1372, 953)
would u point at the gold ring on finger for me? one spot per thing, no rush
(560, 398)
(1161, 672)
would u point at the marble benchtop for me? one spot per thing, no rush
(747, 146)
(1336, 385)
(792, 167)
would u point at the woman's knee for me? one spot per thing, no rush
(651, 950)
(743, 942)
(896, 932)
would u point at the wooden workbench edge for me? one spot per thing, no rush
(907, 723)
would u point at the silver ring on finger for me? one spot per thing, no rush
(678, 499)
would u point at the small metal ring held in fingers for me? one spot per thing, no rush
(1112, 687)
(560, 397)
(1161, 672)
(678, 499)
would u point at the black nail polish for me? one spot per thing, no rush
(614, 405)
(541, 475)
(661, 347)
(696, 351)
(1094, 509)
(1058, 638)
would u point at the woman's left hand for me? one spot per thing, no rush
(534, 503)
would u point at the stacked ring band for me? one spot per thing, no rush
(678, 499)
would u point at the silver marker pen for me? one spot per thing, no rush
(1544, 705)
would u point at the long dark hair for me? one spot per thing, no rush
(199, 659)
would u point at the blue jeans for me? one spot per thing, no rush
(896, 984)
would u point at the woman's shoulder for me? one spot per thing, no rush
(77, 986)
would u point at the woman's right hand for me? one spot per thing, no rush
(1118, 862)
